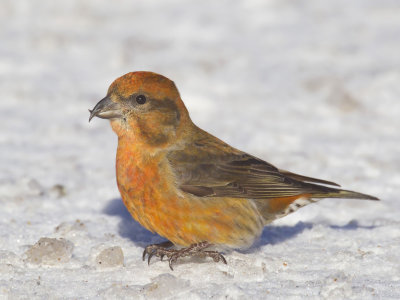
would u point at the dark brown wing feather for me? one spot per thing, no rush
(306, 178)
(209, 167)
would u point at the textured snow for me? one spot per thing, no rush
(312, 86)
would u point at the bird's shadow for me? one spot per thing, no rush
(276, 234)
(272, 234)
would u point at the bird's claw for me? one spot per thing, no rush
(161, 250)
(153, 249)
(216, 256)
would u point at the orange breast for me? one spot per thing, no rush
(149, 191)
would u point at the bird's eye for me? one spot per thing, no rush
(141, 99)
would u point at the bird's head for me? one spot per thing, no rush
(145, 107)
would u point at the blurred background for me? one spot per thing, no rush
(311, 86)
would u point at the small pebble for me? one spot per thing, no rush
(50, 251)
(110, 257)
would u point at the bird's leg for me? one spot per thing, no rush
(152, 249)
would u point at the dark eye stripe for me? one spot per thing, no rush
(141, 99)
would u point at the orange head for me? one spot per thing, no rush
(145, 107)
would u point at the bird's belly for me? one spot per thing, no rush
(184, 219)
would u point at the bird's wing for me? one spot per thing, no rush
(306, 178)
(208, 167)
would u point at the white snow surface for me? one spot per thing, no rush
(312, 86)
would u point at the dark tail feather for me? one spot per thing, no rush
(336, 193)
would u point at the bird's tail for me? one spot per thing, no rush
(279, 207)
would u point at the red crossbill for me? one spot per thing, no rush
(188, 186)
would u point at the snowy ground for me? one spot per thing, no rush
(311, 86)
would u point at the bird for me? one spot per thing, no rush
(179, 181)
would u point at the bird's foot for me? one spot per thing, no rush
(161, 250)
